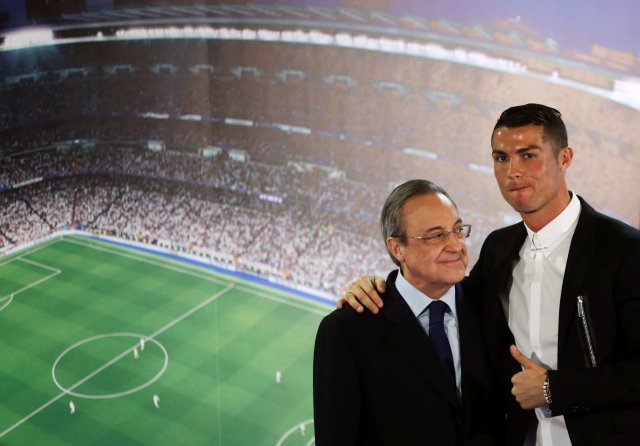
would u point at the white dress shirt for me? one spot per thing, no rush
(534, 306)
(418, 301)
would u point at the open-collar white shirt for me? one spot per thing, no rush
(534, 306)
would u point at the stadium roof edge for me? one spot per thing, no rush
(348, 19)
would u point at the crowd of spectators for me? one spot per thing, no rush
(322, 137)
(311, 224)
(280, 240)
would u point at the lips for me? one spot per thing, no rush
(452, 261)
(517, 188)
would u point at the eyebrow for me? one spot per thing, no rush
(526, 149)
(518, 151)
(442, 228)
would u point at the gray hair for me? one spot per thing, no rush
(391, 223)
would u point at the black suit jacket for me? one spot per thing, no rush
(378, 381)
(601, 403)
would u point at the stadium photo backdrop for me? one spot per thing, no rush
(186, 187)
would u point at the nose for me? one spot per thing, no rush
(513, 169)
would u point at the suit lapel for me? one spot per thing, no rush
(471, 348)
(506, 265)
(500, 279)
(583, 246)
(413, 343)
(474, 373)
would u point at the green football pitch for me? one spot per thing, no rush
(105, 345)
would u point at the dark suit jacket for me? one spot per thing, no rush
(601, 404)
(377, 381)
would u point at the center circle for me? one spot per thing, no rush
(299, 426)
(70, 390)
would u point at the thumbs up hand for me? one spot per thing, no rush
(527, 385)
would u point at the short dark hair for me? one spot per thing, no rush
(549, 118)
(391, 223)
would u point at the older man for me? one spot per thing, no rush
(416, 375)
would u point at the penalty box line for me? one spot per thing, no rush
(55, 271)
(116, 359)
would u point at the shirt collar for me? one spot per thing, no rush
(561, 227)
(418, 301)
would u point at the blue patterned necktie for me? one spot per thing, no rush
(438, 337)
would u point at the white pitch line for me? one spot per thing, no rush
(41, 265)
(6, 262)
(284, 436)
(149, 261)
(114, 360)
(285, 301)
(32, 250)
(195, 274)
(166, 327)
(37, 282)
(32, 284)
(193, 310)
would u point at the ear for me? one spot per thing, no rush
(396, 248)
(564, 158)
